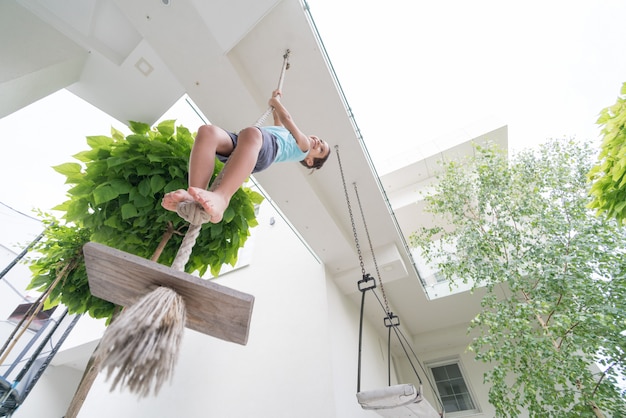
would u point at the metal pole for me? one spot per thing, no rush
(21, 255)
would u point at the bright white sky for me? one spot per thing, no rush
(421, 69)
(412, 71)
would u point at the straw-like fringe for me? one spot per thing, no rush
(143, 342)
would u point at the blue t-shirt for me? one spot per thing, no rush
(288, 149)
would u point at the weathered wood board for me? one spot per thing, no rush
(124, 278)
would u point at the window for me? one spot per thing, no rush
(453, 390)
(439, 277)
(20, 313)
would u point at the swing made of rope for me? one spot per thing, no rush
(141, 345)
(393, 401)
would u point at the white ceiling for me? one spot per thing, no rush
(135, 59)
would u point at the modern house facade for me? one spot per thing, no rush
(302, 263)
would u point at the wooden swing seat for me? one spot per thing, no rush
(398, 401)
(212, 309)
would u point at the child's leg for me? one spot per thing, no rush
(209, 141)
(236, 170)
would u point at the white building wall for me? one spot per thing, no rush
(50, 395)
(344, 334)
(448, 346)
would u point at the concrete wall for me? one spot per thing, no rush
(344, 334)
(51, 394)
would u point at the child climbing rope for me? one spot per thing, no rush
(252, 150)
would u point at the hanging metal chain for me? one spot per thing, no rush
(345, 191)
(356, 238)
(369, 240)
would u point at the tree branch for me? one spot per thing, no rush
(567, 332)
(543, 324)
(169, 231)
(558, 302)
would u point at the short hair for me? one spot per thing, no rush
(317, 162)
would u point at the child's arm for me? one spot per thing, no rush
(284, 117)
(277, 121)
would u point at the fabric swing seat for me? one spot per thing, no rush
(398, 401)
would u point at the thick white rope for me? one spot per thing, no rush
(270, 109)
(195, 214)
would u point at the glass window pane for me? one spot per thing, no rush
(458, 385)
(452, 388)
(465, 402)
(439, 373)
(445, 388)
(449, 404)
(453, 371)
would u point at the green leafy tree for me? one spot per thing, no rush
(115, 199)
(609, 174)
(552, 274)
(61, 261)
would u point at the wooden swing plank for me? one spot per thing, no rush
(212, 309)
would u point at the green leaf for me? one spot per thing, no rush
(99, 141)
(121, 186)
(143, 201)
(86, 156)
(174, 185)
(144, 187)
(155, 158)
(138, 127)
(115, 161)
(157, 183)
(129, 211)
(166, 128)
(68, 169)
(104, 193)
(136, 139)
(117, 135)
(229, 214)
(81, 189)
(76, 209)
(255, 197)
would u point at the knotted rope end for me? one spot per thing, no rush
(193, 212)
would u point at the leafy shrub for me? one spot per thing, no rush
(115, 199)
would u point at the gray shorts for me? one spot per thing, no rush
(267, 154)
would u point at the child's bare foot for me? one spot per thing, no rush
(213, 203)
(172, 199)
